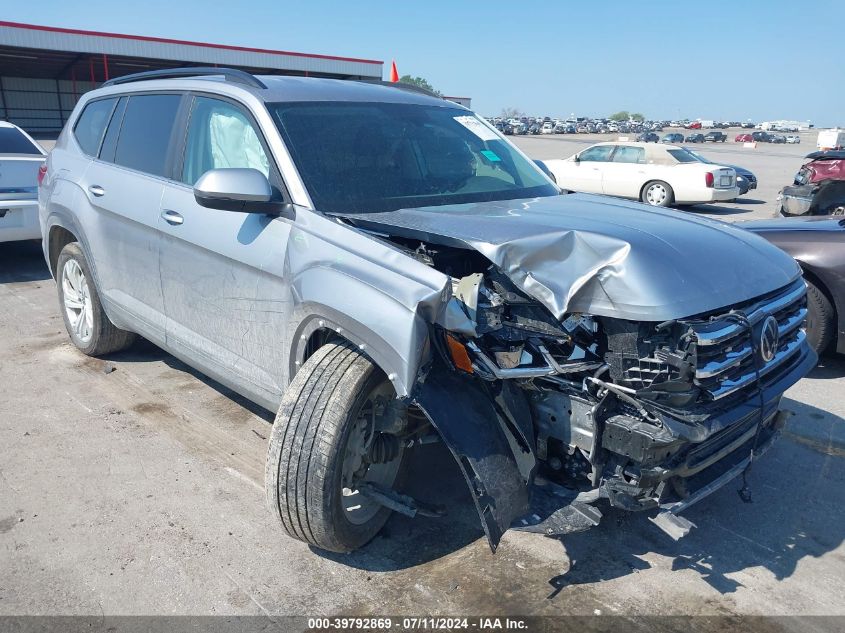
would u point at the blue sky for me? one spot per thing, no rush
(714, 59)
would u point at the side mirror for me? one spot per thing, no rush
(576, 158)
(240, 189)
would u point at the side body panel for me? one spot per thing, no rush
(226, 307)
(123, 243)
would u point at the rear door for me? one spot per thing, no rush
(224, 312)
(123, 188)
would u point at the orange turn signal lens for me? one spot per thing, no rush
(459, 354)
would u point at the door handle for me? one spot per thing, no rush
(96, 190)
(171, 217)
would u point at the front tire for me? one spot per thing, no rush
(820, 319)
(87, 324)
(318, 451)
(657, 194)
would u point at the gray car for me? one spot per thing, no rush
(384, 269)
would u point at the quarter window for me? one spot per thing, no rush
(145, 134)
(91, 125)
(597, 153)
(221, 136)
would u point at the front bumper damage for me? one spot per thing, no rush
(500, 464)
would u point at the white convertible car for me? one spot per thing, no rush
(20, 159)
(659, 175)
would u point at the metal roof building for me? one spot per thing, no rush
(44, 70)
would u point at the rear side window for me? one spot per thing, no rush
(145, 134)
(628, 154)
(12, 141)
(92, 124)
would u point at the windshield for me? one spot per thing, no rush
(371, 157)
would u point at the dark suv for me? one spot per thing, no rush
(384, 269)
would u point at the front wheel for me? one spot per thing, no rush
(821, 325)
(86, 322)
(322, 451)
(658, 194)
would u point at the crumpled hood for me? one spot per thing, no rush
(603, 256)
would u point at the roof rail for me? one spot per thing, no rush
(401, 86)
(229, 74)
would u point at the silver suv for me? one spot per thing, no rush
(385, 269)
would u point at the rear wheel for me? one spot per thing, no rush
(85, 320)
(658, 194)
(820, 319)
(321, 451)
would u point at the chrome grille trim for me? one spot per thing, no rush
(726, 350)
(729, 386)
(754, 313)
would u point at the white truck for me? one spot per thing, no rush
(831, 139)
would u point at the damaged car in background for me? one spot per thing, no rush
(818, 188)
(386, 270)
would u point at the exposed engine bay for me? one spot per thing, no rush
(646, 415)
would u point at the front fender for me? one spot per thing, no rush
(384, 352)
(488, 429)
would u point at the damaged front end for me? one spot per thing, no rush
(546, 417)
(583, 355)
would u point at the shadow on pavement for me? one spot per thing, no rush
(715, 209)
(142, 351)
(830, 366)
(798, 511)
(433, 477)
(22, 261)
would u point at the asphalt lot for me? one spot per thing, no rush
(133, 485)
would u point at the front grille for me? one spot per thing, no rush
(728, 352)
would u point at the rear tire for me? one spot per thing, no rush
(657, 194)
(820, 319)
(87, 324)
(316, 432)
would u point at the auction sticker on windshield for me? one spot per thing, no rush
(477, 127)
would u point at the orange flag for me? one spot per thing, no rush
(394, 74)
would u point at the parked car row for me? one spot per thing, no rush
(767, 137)
(609, 346)
(547, 125)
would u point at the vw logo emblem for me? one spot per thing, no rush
(769, 339)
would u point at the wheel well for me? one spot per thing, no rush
(810, 276)
(318, 338)
(59, 238)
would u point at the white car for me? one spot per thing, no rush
(20, 161)
(548, 128)
(793, 139)
(659, 175)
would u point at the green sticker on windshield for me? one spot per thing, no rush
(491, 156)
